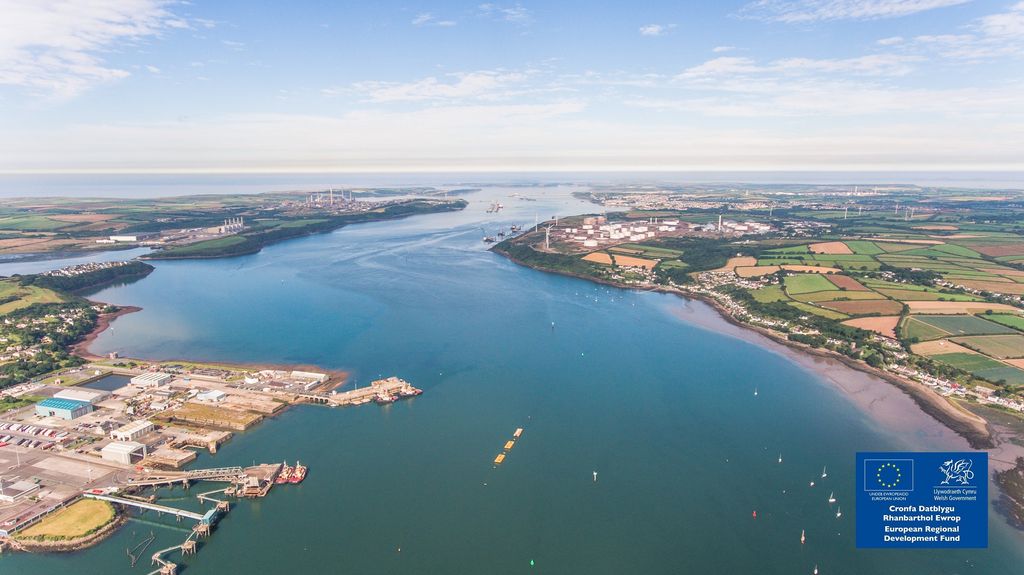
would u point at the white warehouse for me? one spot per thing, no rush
(151, 379)
(132, 431)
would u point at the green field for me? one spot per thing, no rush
(864, 247)
(971, 362)
(670, 264)
(769, 294)
(827, 313)
(16, 296)
(963, 325)
(925, 295)
(1010, 375)
(1009, 319)
(912, 329)
(32, 223)
(801, 249)
(1004, 346)
(76, 520)
(653, 251)
(807, 283)
(834, 294)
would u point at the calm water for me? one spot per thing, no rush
(663, 410)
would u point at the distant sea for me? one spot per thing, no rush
(163, 185)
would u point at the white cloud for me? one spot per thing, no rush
(723, 49)
(428, 19)
(1006, 25)
(794, 11)
(735, 67)
(656, 29)
(516, 13)
(55, 47)
(890, 41)
(993, 36)
(152, 69)
(483, 84)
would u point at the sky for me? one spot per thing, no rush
(251, 86)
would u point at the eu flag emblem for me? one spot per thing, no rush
(888, 475)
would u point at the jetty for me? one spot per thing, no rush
(380, 391)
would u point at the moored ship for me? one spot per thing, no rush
(286, 473)
(299, 474)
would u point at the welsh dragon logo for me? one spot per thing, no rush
(958, 471)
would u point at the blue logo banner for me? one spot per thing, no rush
(922, 499)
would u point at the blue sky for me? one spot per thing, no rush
(151, 85)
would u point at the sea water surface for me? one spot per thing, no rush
(603, 380)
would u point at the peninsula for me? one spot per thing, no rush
(207, 226)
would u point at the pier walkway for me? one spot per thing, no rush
(149, 506)
(168, 478)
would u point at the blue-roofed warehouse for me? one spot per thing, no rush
(62, 408)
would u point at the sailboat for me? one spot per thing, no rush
(824, 472)
(803, 537)
(755, 392)
(839, 513)
(780, 458)
(832, 497)
(815, 569)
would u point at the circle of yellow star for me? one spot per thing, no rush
(888, 468)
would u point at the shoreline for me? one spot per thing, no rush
(974, 429)
(81, 348)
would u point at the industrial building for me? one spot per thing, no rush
(132, 237)
(151, 379)
(132, 431)
(16, 490)
(62, 408)
(125, 452)
(83, 394)
(213, 395)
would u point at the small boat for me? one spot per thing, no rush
(832, 497)
(815, 570)
(839, 513)
(812, 483)
(824, 472)
(299, 474)
(384, 398)
(519, 431)
(803, 537)
(755, 392)
(780, 458)
(754, 514)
